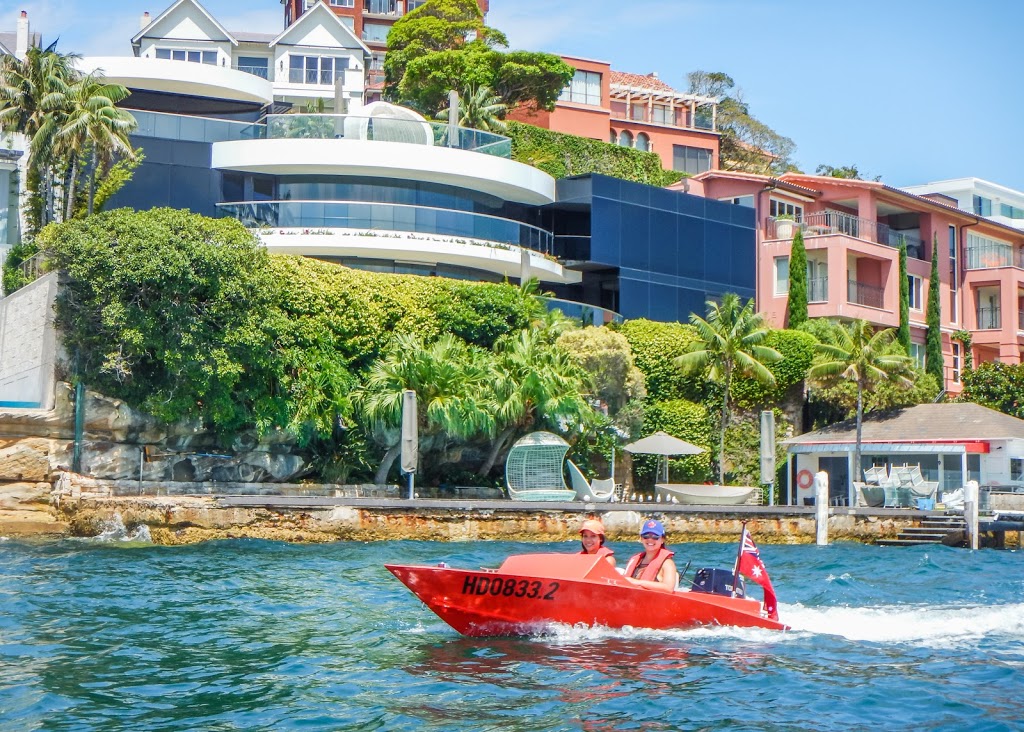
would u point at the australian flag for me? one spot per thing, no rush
(751, 566)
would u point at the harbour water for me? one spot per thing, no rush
(250, 635)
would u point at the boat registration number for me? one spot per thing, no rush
(507, 587)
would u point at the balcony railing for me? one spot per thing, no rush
(817, 289)
(586, 314)
(823, 223)
(381, 7)
(338, 126)
(320, 216)
(989, 319)
(999, 255)
(861, 293)
(195, 129)
(260, 71)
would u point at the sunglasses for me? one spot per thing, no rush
(650, 536)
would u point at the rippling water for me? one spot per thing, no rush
(252, 635)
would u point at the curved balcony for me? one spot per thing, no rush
(388, 158)
(180, 77)
(388, 217)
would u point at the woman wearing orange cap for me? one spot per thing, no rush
(592, 536)
(653, 567)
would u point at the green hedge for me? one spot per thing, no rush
(996, 385)
(655, 346)
(561, 155)
(683, 419)
(797, 349)
(184, 316)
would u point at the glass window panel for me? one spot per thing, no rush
(781, 275)
(163, 53)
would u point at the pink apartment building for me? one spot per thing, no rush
(852, 230)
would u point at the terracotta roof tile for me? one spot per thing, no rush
(640, 81)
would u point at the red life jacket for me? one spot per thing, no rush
(601, 552)
(651, 570)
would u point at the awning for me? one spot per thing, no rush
(875, 448)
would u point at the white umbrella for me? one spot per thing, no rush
(664, 444)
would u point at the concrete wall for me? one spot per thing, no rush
(28, 345)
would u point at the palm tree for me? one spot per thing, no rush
(729, 345)
(94, 125)
(855, 352)
(34, 95)
(480, 108)
(448, 377)
(535, 382)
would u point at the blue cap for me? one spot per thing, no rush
(652, 527)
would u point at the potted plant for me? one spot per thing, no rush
(784, 226)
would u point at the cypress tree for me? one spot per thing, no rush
(903, 335)
(797, 281)
(933, 337)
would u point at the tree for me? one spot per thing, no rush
(33, 96)
(995, 385)
(535, 383)
(607, 357)
(448, 378)
(444, 45)
(933, 335)
(797, 281)
(480, 108)
(856, 353)
(747, 144)
(846, 171)
(93, 127)
(903, 335)
(729, 344)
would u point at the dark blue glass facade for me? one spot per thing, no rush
(649, 252)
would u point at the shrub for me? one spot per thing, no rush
(655, 346)
(797, 349)
(687, 421)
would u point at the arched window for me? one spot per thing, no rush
(614, 137)
(643, 142)
(626, 138)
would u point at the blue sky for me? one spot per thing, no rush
(910, 90)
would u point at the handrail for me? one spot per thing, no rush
(817, 289)
(830, 221)
(861, 293)
(369, 216)
(990, 318)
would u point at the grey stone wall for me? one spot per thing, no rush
(28, 345)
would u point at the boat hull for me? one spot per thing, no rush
(704, 495)
(530, 592)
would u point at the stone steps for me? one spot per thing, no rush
(933, 530)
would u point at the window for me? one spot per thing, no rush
(782, 275)
(626, 138)
(342, 3)
(1017, 470)
(690, 160)
(585, 88)
(411, 5)
(315, 69)
(377, 61)
(747, 201)
(380, 7)
(613, 138)
(778, 208)
(661, 114)
(638, 112)
(643, 142)
(1011, 212)
(254, 65)
(954, 313)
(956, 362)
(917, 351)
(982, 206)
(914, 292)
(180, 54)
(376, 32)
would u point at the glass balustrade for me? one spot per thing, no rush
(322, 216)
(193, 129)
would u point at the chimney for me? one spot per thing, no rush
(144, 20)
(21, 43)
(653, 74)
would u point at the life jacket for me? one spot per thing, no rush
(601, 552)
(651, 570)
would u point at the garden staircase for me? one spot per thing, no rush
(948, 529)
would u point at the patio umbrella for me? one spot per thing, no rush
(663, 444)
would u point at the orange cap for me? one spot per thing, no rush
(593, 525)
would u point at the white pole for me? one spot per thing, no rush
(971, 511)
(821, 508)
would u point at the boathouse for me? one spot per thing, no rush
(950, 443)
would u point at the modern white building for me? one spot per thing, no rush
(981, 197)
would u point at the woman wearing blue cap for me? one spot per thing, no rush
(653, 567)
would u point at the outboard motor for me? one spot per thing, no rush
(716, 582)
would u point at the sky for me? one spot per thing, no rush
(910, 90)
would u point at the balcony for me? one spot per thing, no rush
(817, 289)
(381, 7)
(824, 223)
(861, 293)
(319, 216)
(986, 256)
(1020, 320)
(261, 71)
(989, 319)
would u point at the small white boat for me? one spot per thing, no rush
(710, 495)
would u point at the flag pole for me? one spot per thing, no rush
(739, 554)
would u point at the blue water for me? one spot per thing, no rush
(252, 635)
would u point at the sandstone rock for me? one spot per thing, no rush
(25, 460)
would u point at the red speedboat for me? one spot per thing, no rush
(531, 591)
